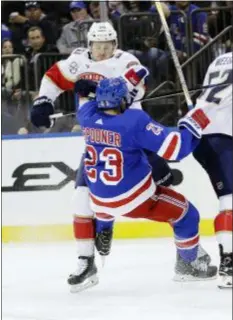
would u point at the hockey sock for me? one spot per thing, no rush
(84, 232)
(223, 230)
(186, 233)
(104, 221)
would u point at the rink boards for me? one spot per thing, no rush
(38, 174)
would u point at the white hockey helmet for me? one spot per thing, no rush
(101, 32)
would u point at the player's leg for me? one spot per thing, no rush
(84, 232)
(215, 154)
(162, 175)
(193, 263)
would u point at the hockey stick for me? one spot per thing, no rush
(174, 55)
(168, 95)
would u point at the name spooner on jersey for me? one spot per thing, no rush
(101, 136)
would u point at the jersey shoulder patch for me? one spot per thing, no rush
(154, 127)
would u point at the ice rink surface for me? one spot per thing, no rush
(135, 284)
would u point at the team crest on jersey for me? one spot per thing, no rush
(154, 128)
(91, 76)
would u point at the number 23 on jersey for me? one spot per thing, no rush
(112, 159)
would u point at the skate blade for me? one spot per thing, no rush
(88, 283)
(225, 282)
(190, 278)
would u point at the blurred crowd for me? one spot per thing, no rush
(58, 27)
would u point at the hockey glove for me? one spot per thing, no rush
(136, 78)
(195, 121)
(41, 110)
(85, 88)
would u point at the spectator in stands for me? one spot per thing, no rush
(112, 15)
(140, 37)
(34, 16)
(5, 32)
(94, 8)
(74, 34)
(11, 76)
(219, 20)
(37, 44)
(199, 28)
(116, 8)
(10, 67)
(14, 111)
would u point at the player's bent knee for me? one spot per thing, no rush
(171, 206)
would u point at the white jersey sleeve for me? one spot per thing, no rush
(62, 75)
(218, 99)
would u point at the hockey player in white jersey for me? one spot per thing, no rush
(100, 60)
(215, 154)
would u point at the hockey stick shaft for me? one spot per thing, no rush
(174, 55)
(168, 95)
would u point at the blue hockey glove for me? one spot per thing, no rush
(85, 88)
(41, 110)
(195, 121)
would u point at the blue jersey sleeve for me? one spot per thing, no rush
(85, 111)
(171, 144)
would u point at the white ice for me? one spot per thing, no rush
(135, 284)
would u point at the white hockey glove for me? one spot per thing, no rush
(195, 121)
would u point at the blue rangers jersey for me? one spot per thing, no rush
(117, 170)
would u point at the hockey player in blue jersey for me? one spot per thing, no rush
(119, 177)
(161, 172)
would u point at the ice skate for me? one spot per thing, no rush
(85, 276)
(197, 270)
(103, 242)
(225, 269)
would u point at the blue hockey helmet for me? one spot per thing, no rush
(111, 92)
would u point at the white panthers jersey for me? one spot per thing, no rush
(219, 98)
(79, 65)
